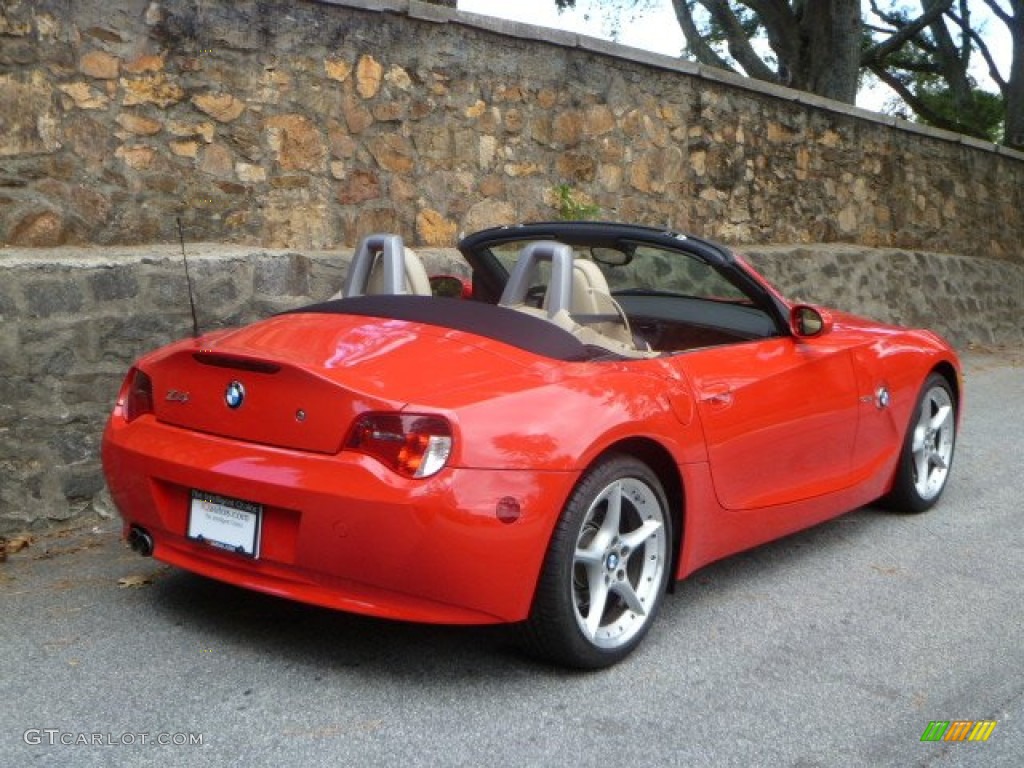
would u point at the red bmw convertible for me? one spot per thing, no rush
(604, 410)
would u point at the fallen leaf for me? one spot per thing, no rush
(51, 552)
(138, 580)
(18, 543)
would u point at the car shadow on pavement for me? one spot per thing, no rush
(309, 635)
(754, 572)
(255, 623)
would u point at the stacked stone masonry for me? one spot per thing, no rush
(61, 374)
(308, 124)
(281, 132)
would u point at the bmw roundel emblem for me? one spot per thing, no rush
(234, 395)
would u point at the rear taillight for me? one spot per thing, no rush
(412, 444)
(136, 395)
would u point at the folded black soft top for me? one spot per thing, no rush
(490, 321)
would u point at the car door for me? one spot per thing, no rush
(779, 417)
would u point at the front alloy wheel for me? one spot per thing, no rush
(927, 450)
(606, 568)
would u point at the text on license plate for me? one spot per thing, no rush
(225, 523)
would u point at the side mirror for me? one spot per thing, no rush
(807, 322)
(451, 287)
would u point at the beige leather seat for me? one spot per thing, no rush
(592, 299)
(417, 282)
(577, 298)
(382, 265)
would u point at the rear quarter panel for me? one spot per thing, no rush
(561, 416)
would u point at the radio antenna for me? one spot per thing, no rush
(188, 281)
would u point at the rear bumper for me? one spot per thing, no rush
(343, 531)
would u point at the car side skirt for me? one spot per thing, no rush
(712, 532)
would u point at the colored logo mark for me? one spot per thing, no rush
(958, 730)
(234, 395)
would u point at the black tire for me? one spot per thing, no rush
(624, 564)
(928, 447)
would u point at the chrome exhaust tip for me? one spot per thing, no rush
(140, 541)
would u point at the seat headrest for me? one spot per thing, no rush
(382, 265)
(416, 281)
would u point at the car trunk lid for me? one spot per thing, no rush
(299, 381)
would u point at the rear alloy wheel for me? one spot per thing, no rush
(606, 568)
(927, 449)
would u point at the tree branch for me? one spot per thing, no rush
(776, 16)
(986, 54)
(889, 18)
(922, 67)
(998, 11)
(739, 44)
(781, 27)
(878, 52)
(953, 67)
(695, 41)
(965, 40)
(913, 101)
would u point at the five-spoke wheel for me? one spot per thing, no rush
(606, 568)
(927, 450)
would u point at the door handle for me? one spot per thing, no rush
(717, 399)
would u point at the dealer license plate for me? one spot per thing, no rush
(225, 523)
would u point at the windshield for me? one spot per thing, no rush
(640, 270)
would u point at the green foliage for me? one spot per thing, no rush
(981, 116)
(935, 86)
(572, 206)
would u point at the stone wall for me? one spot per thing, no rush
(61, 374)
(969, 301)
(307, 124)
(284, 131)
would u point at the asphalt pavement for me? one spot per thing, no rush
(834, 647)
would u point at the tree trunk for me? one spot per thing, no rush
(829, 59)
(952, 65)
(816, 42)
(1014, 126)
